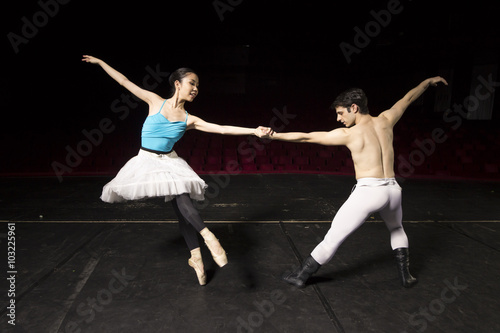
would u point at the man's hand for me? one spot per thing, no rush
(264, 132)
(433, 81)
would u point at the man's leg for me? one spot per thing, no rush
(353, 213)
(362, 202)
(392, 215)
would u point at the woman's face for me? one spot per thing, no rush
(188, 89)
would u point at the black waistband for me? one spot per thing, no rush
(157, 151)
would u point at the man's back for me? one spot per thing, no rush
(371, 145)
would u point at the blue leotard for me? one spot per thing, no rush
(160, 134)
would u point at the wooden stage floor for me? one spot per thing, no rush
(82, 265)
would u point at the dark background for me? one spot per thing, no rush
(256, 57)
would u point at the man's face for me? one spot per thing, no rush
(346, 116)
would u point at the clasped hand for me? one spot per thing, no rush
(264, 132)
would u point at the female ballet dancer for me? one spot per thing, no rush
(158, 171)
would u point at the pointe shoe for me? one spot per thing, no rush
(200, 272)
(196, 263)
(215, 248)
(220, 259)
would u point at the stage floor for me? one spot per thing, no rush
(85, 266)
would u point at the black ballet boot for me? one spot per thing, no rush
(402, 256)
(299, 277)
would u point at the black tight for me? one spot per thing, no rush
(190, 222)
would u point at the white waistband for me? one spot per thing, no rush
(376, 181)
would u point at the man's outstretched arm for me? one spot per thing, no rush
(339, 136)
(397, 110)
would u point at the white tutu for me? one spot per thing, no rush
(151, 175)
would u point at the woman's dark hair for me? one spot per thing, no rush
(352, 96)
(178, 75)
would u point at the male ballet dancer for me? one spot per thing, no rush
(370, 140)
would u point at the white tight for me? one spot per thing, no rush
(369, 196)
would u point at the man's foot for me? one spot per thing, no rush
(299, 277)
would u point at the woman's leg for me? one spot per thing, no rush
(185, 209)
(190, 235)
(186, 228)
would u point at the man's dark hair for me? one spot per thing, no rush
(352, 96)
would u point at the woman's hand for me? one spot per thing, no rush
(264, 132)
(91, 59)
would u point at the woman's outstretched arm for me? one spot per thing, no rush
(201, 125)
(145, 95)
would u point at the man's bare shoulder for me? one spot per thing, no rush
(383, 118)
(382, 115)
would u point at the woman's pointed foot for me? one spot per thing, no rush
(196, 262)
(218, 253)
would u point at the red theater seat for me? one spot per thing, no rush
(262, 160)
(196, 160)
(212, 159)
(216, 142)
(197, 151)
(325, 153)
(246, 159)
(294, 152)
(213, 167)
(266, 167)
(301, 160)
(276, 152)
(248, 167)
(285, 160)
(491, 168)
(231, 153)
